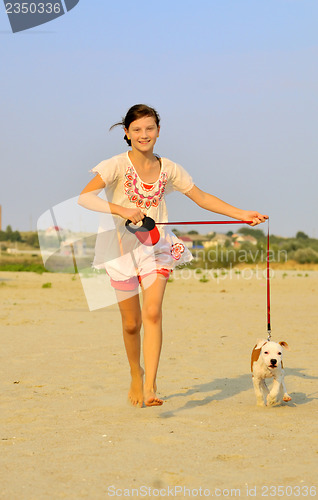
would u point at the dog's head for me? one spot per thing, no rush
(271, 352)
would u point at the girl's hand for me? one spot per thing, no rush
(133, 214)
(255, 217)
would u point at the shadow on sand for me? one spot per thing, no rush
(224, 388)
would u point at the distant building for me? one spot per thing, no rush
(218, 239)
(187, 241)
(193, 240)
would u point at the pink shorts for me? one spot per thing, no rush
(133, 282)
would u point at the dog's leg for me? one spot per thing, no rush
(286, 396)
(261, 390)
(272, 397)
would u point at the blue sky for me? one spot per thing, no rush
(235, 83)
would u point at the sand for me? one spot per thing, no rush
(68, 431)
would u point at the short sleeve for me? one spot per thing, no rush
(180, 179)
(108, 170)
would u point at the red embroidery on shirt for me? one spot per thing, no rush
(134, 189)
(176, 250)
(146, 187)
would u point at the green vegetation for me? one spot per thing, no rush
(9, 235)
(256, 233)
(25, 239)
(300, 249)
(22, 266)
(47, 285)
(204, 279)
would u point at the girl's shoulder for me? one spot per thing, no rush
(167, 164)
(178, 179)
(170, 166)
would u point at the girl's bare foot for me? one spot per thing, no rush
(150, 397)
(135, 393)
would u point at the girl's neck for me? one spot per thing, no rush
(142, 159)
(147, 168)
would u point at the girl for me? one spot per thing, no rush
(135, 183)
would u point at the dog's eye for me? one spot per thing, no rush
(279, 353)
(266, 352)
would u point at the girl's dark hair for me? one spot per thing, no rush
(134, 113)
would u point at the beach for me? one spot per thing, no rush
(68, 431)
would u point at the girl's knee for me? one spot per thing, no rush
(152, 313)
(132, 326)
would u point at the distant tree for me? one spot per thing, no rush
(193, 232)
(15, 236)
(229, 233)
(12, 235)
(211, 235)
(305, 256)
(301, 235)
(257, 233)
(32, 240)
(291, 245)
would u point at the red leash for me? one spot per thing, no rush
(269, 330)
(206, 222)
(269, 336)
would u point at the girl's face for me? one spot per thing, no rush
(143, 134)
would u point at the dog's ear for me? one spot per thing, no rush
(260, 343)
(284, 344)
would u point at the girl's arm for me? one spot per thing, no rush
(89, 199)
(214, 204)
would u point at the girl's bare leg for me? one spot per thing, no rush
(153, 290)
(129, 307)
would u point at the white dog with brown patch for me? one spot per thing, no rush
(267, 362)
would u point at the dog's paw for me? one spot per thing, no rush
(271, 400)
(260, 402)
(286, 397)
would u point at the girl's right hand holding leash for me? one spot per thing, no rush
(133, 214)
(89, 199)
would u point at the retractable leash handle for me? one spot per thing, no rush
(147, 233)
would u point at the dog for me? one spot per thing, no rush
(267, 362)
